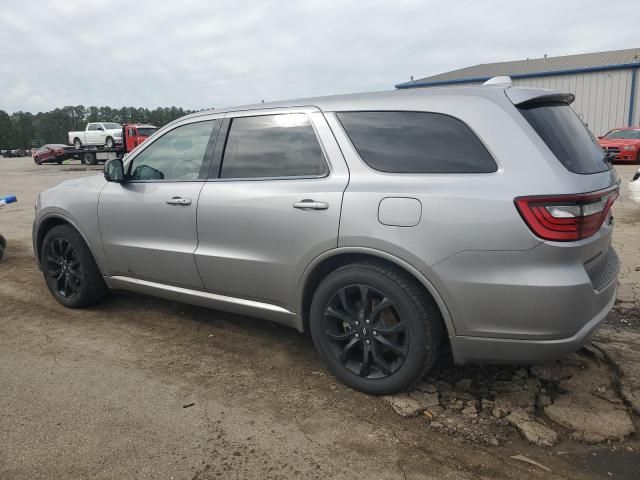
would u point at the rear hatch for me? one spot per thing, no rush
(580, 222)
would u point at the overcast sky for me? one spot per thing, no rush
(207, 53)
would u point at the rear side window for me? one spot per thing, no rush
(416, 142)
(566, 136)
(270, 146)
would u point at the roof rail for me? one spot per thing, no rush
(502, 81)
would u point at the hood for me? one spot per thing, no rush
(90, 182)
(619, 141)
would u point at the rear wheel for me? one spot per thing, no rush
(70, 272)
(375, 328)
(89, 158)
(77, 143)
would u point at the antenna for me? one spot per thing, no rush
(502, 81)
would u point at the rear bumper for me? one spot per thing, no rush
(528, 306)
(503, 350)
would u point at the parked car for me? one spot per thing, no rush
(623, 142)
(383, 224)
(52, 153)
(98, 133)
(634, 187)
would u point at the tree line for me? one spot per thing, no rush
(27, 130)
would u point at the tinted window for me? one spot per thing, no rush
(177, 155)
(567, 137)
(272, 146)
(145, 131)
(416, 142)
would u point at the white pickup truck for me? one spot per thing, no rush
(97, 133)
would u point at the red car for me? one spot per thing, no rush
(51, 153)
(624, 142)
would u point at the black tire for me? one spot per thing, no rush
(109, 143)
(77, 143)
(412, 325)
(89, 158)
(3, 246)
(64, 258)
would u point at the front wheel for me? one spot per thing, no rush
(109, 142)
(70, 272)
(375, 328)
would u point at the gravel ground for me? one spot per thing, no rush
(145, 388)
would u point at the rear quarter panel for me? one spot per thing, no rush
(460, 212)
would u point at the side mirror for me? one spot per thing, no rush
(100, 128)
(114, 170)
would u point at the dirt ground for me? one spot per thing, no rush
(139, 387)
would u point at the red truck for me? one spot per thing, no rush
(133, 134)
(623, 142)
(136, 133)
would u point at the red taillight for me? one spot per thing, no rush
(564, 218)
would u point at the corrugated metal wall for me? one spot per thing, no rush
(602, 98)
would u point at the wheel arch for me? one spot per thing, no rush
(333, 259)
(51, 221)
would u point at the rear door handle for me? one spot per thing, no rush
(311, 205)
(179, 201)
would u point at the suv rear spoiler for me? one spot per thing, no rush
(528, 97)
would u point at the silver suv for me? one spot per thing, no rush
(383, 224)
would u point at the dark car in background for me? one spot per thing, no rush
(51, 153)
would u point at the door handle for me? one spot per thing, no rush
(311, 205)
(179, 201)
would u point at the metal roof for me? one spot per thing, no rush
(535, 67)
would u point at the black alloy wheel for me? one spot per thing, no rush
(69, 270)
(368, 336)
(63, 265)
(375, 327)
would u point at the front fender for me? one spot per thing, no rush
(74, 202)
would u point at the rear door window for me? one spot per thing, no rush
(268, 146)
(416, 142)
(566, 136)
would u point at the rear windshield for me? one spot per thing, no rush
(567, 137)
(416, 142)
(146, 132)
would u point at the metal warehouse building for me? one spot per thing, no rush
(606, 84)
